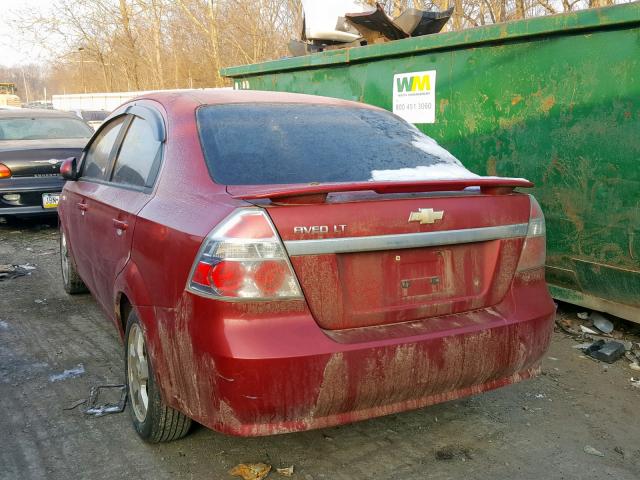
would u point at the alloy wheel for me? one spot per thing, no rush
(64, 257)
(138, 372)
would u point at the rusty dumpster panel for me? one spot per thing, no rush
(553, 99)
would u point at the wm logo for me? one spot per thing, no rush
(417, 83)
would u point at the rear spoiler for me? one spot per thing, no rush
(488, 185)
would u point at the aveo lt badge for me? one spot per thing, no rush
(426, 215)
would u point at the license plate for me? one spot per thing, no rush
(50, 200)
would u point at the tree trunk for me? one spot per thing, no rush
(502, 15)
(157, 42)
(519, 9)
(126, 25)
(458, 13)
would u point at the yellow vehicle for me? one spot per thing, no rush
(8, 97)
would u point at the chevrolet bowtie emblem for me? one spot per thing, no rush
(426, 215)
(51, 161)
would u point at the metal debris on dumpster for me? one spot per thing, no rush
(337, 24)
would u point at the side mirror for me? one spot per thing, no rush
(69, 169)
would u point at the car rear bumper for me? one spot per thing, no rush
(251, 376)
(30, 190)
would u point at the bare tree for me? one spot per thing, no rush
(115, 45)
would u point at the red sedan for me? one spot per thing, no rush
(278, 262)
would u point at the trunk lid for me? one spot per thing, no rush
(365, 259)
(38, 158)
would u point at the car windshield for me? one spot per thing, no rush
(262, 144)
(43, 128)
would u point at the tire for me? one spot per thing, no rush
(154, 421)
(71, 281)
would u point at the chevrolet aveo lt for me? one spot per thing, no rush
(279, 262)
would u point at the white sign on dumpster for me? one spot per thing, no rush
(414, 96)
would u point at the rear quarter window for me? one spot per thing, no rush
(260, 144)
(138, 157)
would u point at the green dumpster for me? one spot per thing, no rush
(553, 99)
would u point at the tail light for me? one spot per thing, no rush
(534, 250)
(4, 171)
(243, 258)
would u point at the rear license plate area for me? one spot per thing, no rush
(421, 273)
(50, 200)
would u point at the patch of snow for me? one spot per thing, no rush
(71, 373)
(425, 172)
(503, 178)
(430, 146)
(447, 167)
(103, 410)
(27, 266)
(3, 325)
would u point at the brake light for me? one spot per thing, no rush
(243, 258)
(4, 171)
(534, 250)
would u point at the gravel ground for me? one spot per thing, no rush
(534, 430)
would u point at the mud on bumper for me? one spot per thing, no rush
(352, 385)
(286, 374)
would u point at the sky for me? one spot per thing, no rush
(15, 51)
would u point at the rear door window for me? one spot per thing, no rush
(139, 156)
(96, 161)
(262, 144)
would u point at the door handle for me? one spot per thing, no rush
(82, 206)
(120, 225)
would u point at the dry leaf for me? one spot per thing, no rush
(285, 472)
(251, 471)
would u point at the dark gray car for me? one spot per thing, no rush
(33, 144)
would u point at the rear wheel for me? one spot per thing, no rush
(71, 281)
(153, 420)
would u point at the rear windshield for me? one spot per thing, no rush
(260, 144)
(42, 128)
(94, 115)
